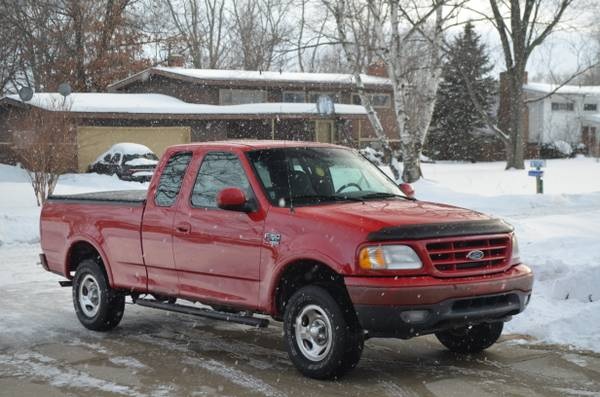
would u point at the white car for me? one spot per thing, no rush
(129, 161)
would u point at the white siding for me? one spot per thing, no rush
(547, 125)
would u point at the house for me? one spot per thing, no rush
(158, 121)
(168, 105)
(568, 113)
(234, 87)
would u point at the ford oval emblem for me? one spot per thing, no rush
(475, 255)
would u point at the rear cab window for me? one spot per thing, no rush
(171, 179)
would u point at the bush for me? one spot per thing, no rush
(556, 150)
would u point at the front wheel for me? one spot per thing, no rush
(321, 341)
(98, 307)
(471, 339)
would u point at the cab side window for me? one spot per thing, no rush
(218, 171)
(171, 179)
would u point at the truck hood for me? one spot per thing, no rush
(375, 215)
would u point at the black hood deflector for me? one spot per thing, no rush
(438, 230)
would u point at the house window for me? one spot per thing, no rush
(294, 96)
(563, 106)
(314, 95)
(377, 100)
(239, 97)
(590, 107)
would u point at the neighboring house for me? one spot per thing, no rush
(158, 121)
(570, 114)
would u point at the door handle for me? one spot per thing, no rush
(183, 228)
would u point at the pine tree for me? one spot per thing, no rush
(455, 118)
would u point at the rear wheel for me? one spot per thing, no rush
(98, 307)
(321, 340)
(471, 339)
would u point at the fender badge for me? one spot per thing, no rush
(273, 239)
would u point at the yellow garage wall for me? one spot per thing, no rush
(93, 141)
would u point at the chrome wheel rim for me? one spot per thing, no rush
(313, 333)
(89, 296)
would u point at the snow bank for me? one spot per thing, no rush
(558, 236)
(19, 213)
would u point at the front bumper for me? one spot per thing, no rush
(383, 304)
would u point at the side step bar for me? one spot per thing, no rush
(212, 314)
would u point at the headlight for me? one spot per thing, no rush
(515, 248)
(390, 257)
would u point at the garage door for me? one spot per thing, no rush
(92, 141)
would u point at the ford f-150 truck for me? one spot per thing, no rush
(310, 234)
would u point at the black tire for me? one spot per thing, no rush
(105, 306)
(345, 340)
(471, 339)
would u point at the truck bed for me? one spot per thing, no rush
(109, 219)
(133, 197)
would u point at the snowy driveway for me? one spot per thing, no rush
(44, 351)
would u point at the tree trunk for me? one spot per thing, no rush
(515, 153)
(411, 160)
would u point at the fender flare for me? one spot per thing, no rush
(88, 240)
(284, 265)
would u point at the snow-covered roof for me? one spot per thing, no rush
(565, 89)
(164, 104)
(253, 76)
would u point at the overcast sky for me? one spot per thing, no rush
(567, 50)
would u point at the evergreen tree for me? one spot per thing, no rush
(455, 118)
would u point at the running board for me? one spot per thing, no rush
(212, 314)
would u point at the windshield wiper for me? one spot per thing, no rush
(323, 197)
(383, 195)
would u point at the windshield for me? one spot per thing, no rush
(305, 176)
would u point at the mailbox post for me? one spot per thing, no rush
(538, 173)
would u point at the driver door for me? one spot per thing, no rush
(217, 251)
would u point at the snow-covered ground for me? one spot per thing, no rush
(559, 237)
(558, 232)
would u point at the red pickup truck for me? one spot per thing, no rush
(310, 234)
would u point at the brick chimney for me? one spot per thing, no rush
(176, 61)
(378, 69)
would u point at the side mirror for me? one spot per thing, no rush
(233, 199)
(407, 189)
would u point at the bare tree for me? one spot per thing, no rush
(522, 27)
(259, 29)
(354, 32)
(9, 57)
(413, 26)
(87, 43)
(43, 144)
(202, 25)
